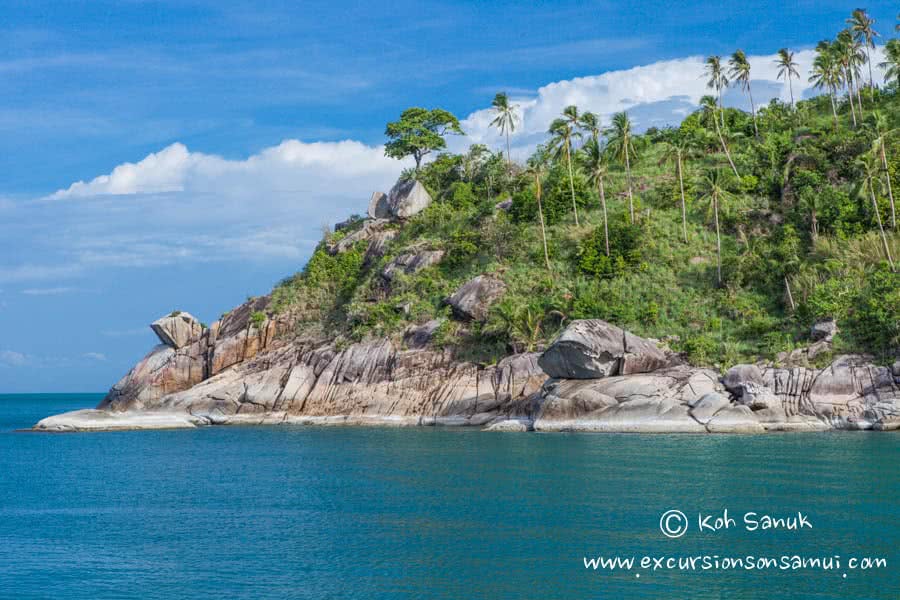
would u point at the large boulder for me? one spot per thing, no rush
(824, 330)
(379, 207)
(177, 330)
(591, 349)
(475, 297)
(407, 198)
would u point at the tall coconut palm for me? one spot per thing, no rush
(564, 130)
(891, 65)
(676, 150)
(708, 104)
(504, 120)
(881, 130)
(826, 74)
(593, 161)
(862, 26)
(869, 171)
(739, 71)
(537, 166)
(842, 48)
(718, 80)
(590, 123)
(714, 188)
(620, 140)
(787, 69)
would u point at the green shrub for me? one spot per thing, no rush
(624, 250)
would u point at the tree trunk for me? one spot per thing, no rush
(683, 204)
(814, 226)
(753, 110)
(727, 153)
(850, 96)
(721, 106)
(718, 240)
(790, 296)
(537, 181)
(791, 87)
(887, 248)
(508, 156)
(834, 110)
(887, 176)
(603, 206)
(628, 175)
(571, 183)
(871, 81)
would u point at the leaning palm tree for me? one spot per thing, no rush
(879, 148)
(621, 144)
(862, 26)
(739, 71)
(714, 188)
(676, 150)
(825, 74)
(564, 130)
(869, 171)
(504, 120)
(593, 161)
(718, 80)
(708, 104)
(891, 65)
(537, 165)
(787, 69)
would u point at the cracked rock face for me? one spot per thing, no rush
(177, 330)
(475, 297)
(407, 198)
(591, 349)
(378, 206)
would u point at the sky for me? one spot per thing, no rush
(186, 154)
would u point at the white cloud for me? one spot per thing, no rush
(53, 291)
(98, 356)
(12, 359)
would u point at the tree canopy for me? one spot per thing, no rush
(418, 132)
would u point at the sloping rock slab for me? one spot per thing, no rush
(474, 298)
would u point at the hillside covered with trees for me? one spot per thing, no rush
(727, 236)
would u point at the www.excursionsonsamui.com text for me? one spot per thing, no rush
(714, 562)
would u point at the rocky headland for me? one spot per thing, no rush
(255, 367)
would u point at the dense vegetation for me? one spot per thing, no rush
(727, 236)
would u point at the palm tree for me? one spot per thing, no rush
(740, 72)
(825, 74)
(879, 148)
(505, 120)
(621, 144)
(713, 186)
(718, 80)
(537, 164)
(891, 65)
(708, 104)
(787, 69)
(861, 24)
(676, 150)
(564, 130)
(869, 172)
(590, 123)
(593, 160)
(843, 51)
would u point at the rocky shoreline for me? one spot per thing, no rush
(593, 377)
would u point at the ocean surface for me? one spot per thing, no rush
(291, 512)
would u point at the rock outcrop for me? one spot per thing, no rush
(407, 198)
(379, 207)
(411, 262)
(177, 330)
(475, 297)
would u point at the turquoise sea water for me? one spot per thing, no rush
(428, 513)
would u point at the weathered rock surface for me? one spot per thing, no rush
(379, 207)
(593, 348)
(411, 262)
(475, 297)
(407, 198)
(419, 336)
(823, 330)
(371, 229)
(177, 330)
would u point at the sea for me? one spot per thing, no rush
(370, 513)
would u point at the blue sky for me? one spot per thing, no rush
(225, 135)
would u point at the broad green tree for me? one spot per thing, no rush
(419, 132)
(504, 120)
(621, 144)
(739, 71)
(593, 161)
(718, 80)
(708, 104)
(787, 69)
(564, 131)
